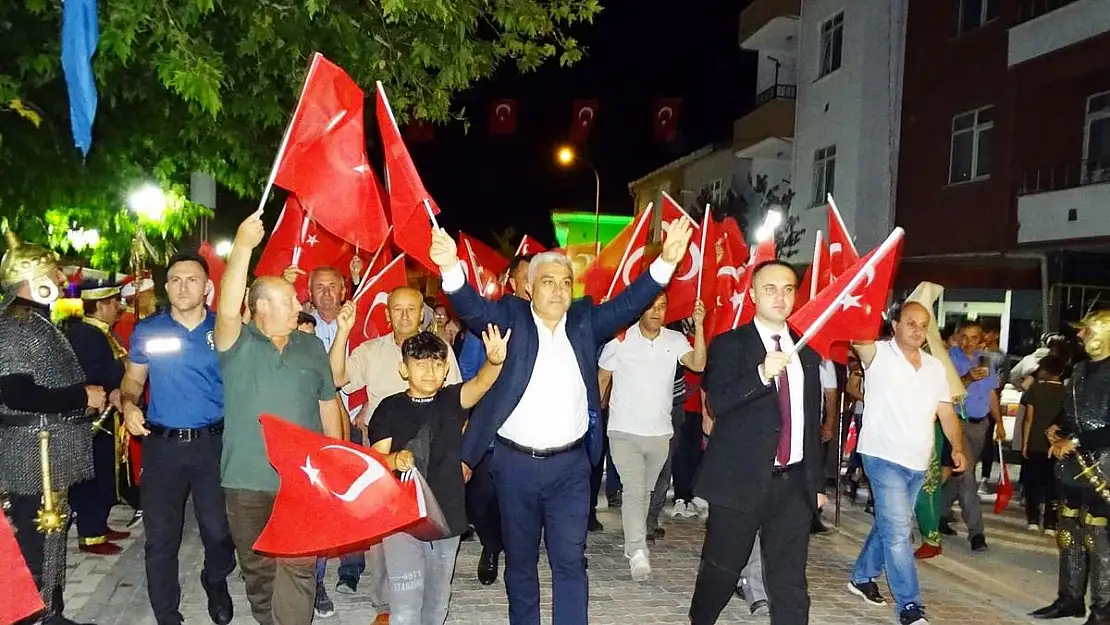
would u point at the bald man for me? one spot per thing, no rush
(376, 366)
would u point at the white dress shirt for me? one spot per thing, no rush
(643, 380)
(797, 387)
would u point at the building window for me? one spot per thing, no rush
(975, 13)
(1096, 139)
(832, 44)
(824, 174)
(717, 191)
(972, 136)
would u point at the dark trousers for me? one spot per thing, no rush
(172, 469)
(782, 517)
(1040, 489)
(38, 549)
(989, 453)
(687, 456)
(481, 505)
(548, 497)
(281, 591)
(604, 468)
(92, 500)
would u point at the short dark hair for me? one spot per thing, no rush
(424, 346)
(990, 325)
(517, 261)
(1052, 365)
(774, 263)
(303, 317)
(968, 323)
(188, 257)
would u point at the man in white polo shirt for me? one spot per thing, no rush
(906, 390)
(642, 364)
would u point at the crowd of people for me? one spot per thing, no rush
(516, 411)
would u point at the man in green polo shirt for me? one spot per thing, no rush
(267, 367)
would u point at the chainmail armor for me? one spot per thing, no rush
(30, 344)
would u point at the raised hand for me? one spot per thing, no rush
(497, 346)
(699, 313)
(403, 461)
(677, 241)
(444, 253)
(291, 272)
(250, 232)
(345, 320)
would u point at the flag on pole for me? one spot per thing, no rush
(216, 268)
(529, 247)
(850, 309)
(842, 251)
(619, 262)
(482, 265)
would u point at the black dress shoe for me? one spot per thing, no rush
(817, 527)
(1061, 608)
(946, 528)
(487, 567)
(595, 525)
(468, 535)
(220, 608)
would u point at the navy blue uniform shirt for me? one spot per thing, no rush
(186, 390)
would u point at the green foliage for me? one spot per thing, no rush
(201, 85)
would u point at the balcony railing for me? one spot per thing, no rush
(1032, 9)
(776, 92)
(1092, 171)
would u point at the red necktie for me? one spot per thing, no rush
(783, 453)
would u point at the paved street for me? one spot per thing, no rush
(957, 588)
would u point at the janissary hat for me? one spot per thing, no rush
(128, 286)
(25, 262)
(93, 290)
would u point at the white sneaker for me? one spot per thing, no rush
(680, 509)
(699, 508)
(1033, 527)
(639, 566)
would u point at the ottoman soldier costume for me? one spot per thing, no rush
(1082, 444)
(102, 358)
(45, 438)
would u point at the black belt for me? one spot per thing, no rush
(790, 468)
(185, 435)
(539, 453)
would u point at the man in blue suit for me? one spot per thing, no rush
(542, 415)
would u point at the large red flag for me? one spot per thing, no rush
(850, 309)
(297, 240)
(529, 246)
(682, 291)
(21, 596)
(216, 267)
(817, 275)
(324, 160)
(842, 252)
(371, 314)
(334, 497)
(409, 202)
(620, 262)
(482, 264)
(739, 308)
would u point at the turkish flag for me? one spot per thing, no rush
(842, 252)
(502, 117)
(850, 309)
(371, 314)
(682, 291)
(529, 247)
(324, 162)
(21, 596)
(334, 497)
(216, 267)
(619, 262)
(409, 202)
(665, 118)
(297, 240)
(817, 275)
(482, 265)
(585, 115)
(739, 309)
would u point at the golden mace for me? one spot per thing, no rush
(1091, 474)
(49, 519)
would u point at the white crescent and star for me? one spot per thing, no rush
(852, 300)
(586, 115)
(374, 472)
(633, 259)
(665, 114)
(503, 110)
(335, 120)
(380, 299)
(311, 241)
(695, 259)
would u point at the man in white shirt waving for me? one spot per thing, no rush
(906, 391)
(641, 365)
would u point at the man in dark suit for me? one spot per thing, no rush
(542, 415)
(763, 468)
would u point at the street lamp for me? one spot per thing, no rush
(223, 248)
(148, 201)
(80, 239)
(770, 224)
(566, 157)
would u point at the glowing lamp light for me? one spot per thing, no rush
(565, 155)
(223, 248)
(148, 201)
(770, 224)
(80, 239)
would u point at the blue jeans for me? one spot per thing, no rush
(889, 545)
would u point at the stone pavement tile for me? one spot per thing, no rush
(119, 595)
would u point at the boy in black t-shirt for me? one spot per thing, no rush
(422, 428)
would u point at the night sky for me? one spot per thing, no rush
(636, 52)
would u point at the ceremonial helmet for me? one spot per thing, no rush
(1095, 332)
(33, 264)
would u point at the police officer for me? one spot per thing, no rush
(182, 432)
(102, 359)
